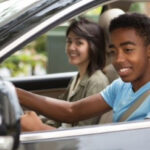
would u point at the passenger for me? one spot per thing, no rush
(85, 48)
(130, 49)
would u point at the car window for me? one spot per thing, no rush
(39, 56)
(46, 54)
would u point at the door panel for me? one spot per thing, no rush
(50, 92)
(48, 85)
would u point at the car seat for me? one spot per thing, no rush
(104, 22)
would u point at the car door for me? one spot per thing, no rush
(121, 136)
(29, 23)
(23, 22)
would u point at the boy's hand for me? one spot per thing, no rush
(31, 122)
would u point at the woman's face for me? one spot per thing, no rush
(77, 50)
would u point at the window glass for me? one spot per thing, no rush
(31, 60)
(140, 7)
(44, 55)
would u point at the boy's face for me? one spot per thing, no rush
(130, 57)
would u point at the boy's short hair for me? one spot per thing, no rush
(139, 22)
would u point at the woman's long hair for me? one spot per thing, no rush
(94, 34)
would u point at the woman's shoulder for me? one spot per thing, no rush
(99, 76)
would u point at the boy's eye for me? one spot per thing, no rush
(128, 50)
(112, 53)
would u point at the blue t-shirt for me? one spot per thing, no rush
(120, 96)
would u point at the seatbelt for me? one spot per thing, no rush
(134, 106)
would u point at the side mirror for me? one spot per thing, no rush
(10, 113)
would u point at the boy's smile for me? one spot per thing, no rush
(130, 56)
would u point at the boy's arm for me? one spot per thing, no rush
(63, 111)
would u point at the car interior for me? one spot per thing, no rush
(54, 84)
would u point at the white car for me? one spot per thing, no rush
(20, 23)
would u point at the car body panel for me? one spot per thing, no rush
(33, 21)
(121, 136)
(46, 20)
(47, 85)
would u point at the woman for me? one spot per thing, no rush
(130, 51)
(85, 48)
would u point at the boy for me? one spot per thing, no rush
(130, 50)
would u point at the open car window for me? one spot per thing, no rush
(28, 47)
(38, 57)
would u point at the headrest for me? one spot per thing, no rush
(107, 16)
(104, 22)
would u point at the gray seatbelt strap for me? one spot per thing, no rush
(128, 112)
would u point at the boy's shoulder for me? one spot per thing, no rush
(120, 83)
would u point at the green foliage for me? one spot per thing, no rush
(93, 14)
(40, 44)
(24, 62)
(138, 7)
(14, 64)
